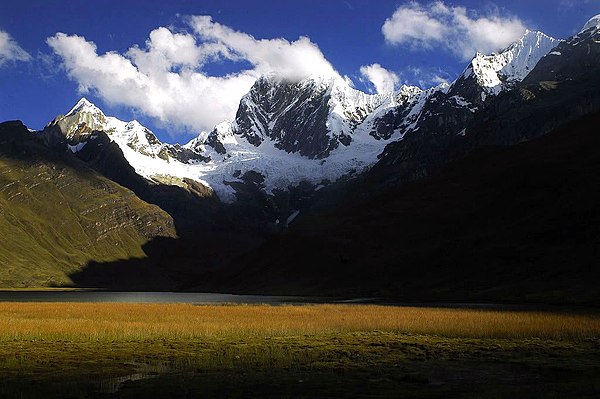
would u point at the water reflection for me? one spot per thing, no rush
(143, 297)
(79, 386)
(112, 385)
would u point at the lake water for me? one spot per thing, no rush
(216, 298)
(144, 297)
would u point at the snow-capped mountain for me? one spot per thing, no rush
(143, 150)
(222, 156)
(578, 55)
(289, 113)
(85, 118)
(497, 72)
(488, 75)
(592, 24)
(316, 130)
(562, 86)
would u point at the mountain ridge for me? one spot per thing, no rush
(314, 131)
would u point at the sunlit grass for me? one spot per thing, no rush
(75, 340)
(127, 322)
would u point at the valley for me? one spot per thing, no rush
(291, 230)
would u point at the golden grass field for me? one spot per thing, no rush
(76, 350)
(115, 321)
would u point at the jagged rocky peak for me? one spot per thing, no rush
(84, 106)
(85, 121)
(221, 135)
(81, 120)
(85, 118)
(293, 115)
(449, 110)
(85, 131)
(311, 117)
(488, 75)
(573, 57)
(407, 93)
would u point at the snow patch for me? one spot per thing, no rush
(462, 103)
(76, 148)
(291, 218)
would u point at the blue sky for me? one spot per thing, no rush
(199, 67)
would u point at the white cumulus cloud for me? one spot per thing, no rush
(453, 28)
(384, 81)
(10, 49)
(291, 60)
(165, 78)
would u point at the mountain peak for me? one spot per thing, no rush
(513, 63)
(534, 35)
(593, 23)
(83, 105)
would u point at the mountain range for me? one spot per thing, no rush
(316, 130)
(316, 187)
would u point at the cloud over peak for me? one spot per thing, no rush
(384, 81)
(291, 60)
(451, 28)
(165, 78)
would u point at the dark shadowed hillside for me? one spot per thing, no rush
(503, 224)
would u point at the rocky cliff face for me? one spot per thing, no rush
(289, 114)
(312, 117)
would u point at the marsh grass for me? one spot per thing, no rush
(114, 339)
(86, 349)
(116, 322)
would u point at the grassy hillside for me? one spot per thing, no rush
(56, 214)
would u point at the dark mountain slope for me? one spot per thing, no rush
(505, 223)
(560, 89)
(56, 214)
